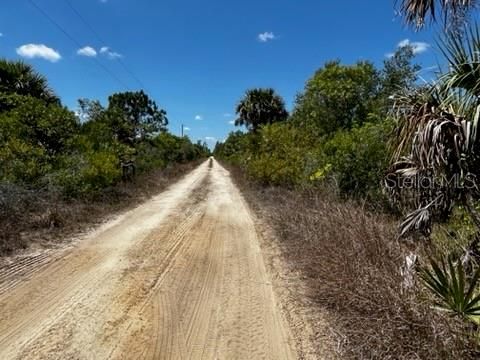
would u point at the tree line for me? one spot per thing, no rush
(337, 131)
(379, 135)
(45, 145)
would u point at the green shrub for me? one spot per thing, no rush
(21, 162)
(356, 160)
(85, 173)
(281, 155)
(454, 290)
(149, 157)
(236, 148)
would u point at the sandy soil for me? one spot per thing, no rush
(180, 277)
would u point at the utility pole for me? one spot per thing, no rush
(182, 130)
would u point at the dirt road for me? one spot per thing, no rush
(180, 277)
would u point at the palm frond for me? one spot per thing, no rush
(417, 12)
(454, 291)
(437, 141)
(462, 54)
(419, 220)
(20, 78)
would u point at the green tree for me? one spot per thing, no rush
(48, 126)
(235, 148)
(260, 107)
(137, 116)
(399, 73)
(356, 159)
(105, 127)
(337, 97)
(283, 154)
(17, 77)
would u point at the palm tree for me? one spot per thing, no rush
(260, 107)
(436, 162)
(416, 12)
(17, 77)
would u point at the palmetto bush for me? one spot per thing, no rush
(436, 163)
(455, 291)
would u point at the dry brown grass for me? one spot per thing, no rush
(350, 260)
(43, 217)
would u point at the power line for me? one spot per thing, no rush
(100, 39)
(72, 39)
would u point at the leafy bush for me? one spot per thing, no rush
(236, 148)
(22, 162)
(455, 291)
(282, 155)
(356, 160)
(87, 173)
(45, 145)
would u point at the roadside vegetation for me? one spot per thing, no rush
(371, 186)
(55, 164)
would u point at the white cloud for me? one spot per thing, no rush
(31, 51)
(105, 50)
(1, 34)
(185, 128)
(417, 46)
(266, 36)
(87, 51)
(198, 117)
(114, 55)
(227, 115)
(232, 122)
(210, 138)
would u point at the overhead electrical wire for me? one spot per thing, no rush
(102, 41)
(77, 43)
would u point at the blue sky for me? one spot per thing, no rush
(196, 58)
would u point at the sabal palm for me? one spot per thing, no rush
(260, 107)
(438, 140)
(416, 12)
(20, 78)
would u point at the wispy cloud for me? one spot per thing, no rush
(186, 128)
(1, 34)
(198, 117)
(417, 46)
(87, 51)
(266, 36)
(227, 115)
(31, 51)
(105, 50)
(232, 122)
(210, 138)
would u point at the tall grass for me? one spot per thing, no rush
(45, 217)
(350, 260)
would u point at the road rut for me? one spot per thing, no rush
(180, 277)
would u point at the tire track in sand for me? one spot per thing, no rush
(180, 277)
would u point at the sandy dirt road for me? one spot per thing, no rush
(180, 277)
